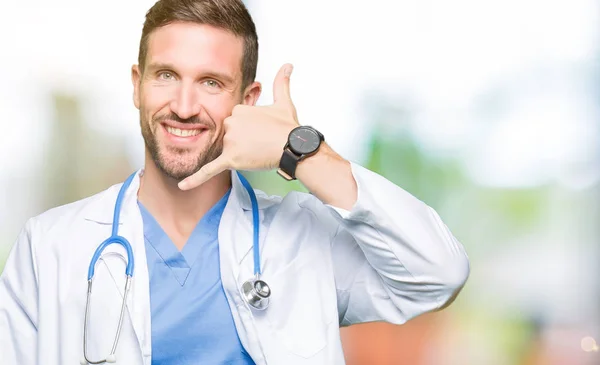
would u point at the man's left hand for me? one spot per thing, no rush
(254, 135)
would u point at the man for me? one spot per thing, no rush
(357, 249)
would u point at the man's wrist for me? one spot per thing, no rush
(302, 142)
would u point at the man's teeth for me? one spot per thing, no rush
(183, 132)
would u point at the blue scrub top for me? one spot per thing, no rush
(191, 319)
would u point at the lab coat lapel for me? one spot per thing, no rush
(235, 229)
(235, 243)
(130, 227)
(138, 303)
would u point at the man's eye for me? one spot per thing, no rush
(212, 83)
(165, 75)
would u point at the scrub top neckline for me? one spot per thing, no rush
(180, 262)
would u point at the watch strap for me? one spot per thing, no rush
(287, 165)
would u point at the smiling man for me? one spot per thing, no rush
(188, 81)
(357, 249)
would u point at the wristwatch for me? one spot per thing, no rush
(303, 141)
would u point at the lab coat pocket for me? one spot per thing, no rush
(301, 308)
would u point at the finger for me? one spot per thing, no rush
(207, 171)
(281, 85)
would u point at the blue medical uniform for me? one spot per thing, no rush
(191, 319)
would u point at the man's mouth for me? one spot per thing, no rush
(183, 132)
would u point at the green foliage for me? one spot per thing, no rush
(399, 159)
(273, 184)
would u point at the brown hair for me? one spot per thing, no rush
(230, 15)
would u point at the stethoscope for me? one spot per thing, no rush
(255, 291)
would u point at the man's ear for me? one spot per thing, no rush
(136, 78)
(251, 93)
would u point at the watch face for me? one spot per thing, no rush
(304, 141)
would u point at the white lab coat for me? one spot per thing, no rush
(390, 259)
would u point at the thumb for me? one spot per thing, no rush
(281, 85)
(207, 171)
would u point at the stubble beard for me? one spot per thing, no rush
(177, 163)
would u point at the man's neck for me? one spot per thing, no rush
(177, 211)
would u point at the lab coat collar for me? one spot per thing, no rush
(102, 209)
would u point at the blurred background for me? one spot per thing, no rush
(488, 111)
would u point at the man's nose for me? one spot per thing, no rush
(186, 101)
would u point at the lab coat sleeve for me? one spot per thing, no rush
(19, 304)
(393, 257)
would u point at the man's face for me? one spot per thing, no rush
(190, 84)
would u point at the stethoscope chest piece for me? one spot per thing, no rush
(257, 293)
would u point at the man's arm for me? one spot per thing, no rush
(394, 258)
(405, 254)
(328, 176)
(19, 303)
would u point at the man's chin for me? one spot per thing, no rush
(177, 170)
(177, 175)
(178, 165)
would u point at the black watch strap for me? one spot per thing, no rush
(287, 164)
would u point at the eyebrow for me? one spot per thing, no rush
(153, 67)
